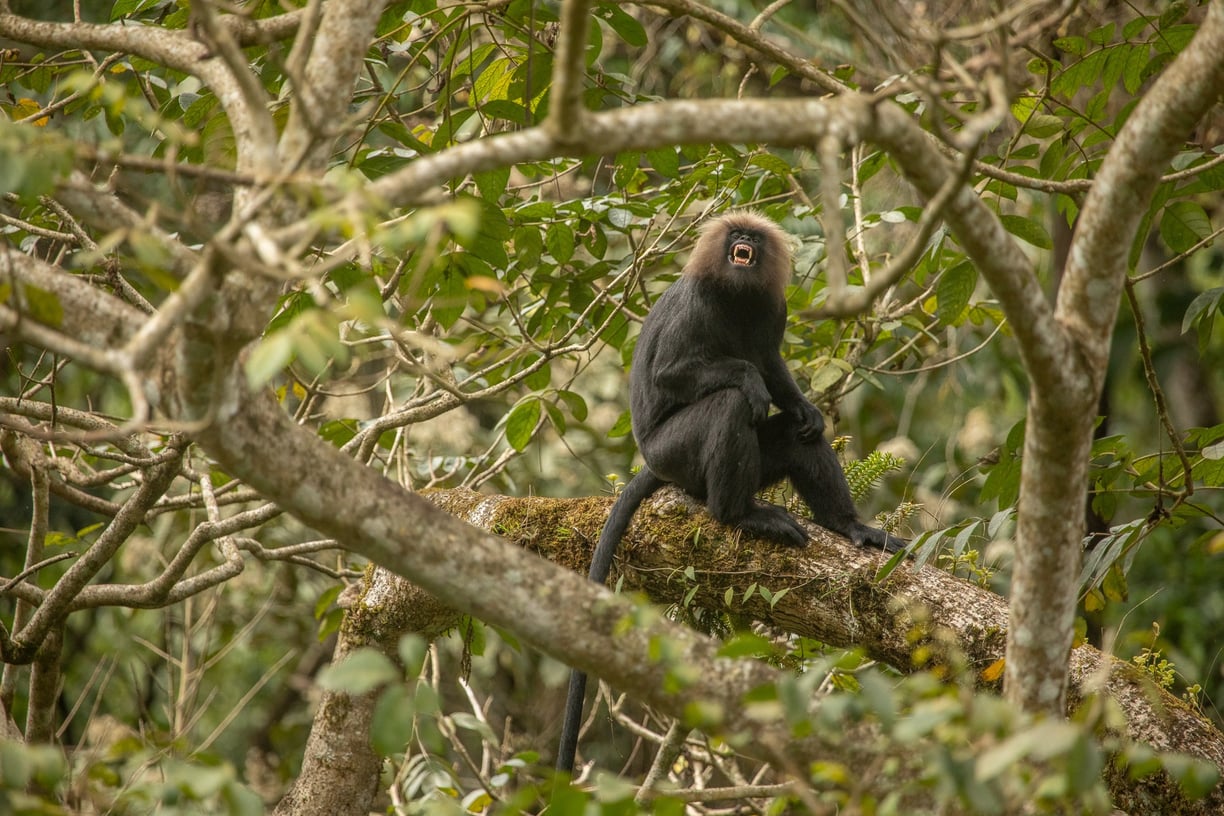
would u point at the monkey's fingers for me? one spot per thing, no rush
(809, 433)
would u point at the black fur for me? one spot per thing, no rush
(706, 370)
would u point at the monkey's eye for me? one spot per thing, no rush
(742, 254)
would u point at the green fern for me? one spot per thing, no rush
(863, 474)
(893, 519)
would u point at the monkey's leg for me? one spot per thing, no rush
(710, 450)
(813, 469)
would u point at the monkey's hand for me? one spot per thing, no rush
(811, 421)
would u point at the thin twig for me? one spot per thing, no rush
(1162, 408)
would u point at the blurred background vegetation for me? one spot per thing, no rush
(484, 342)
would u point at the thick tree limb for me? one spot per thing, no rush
(831, 594)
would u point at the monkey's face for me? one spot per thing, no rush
(744, 248)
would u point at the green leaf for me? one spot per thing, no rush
(566, 800)
(665, 161)
(16, 765)
(1044, 125)
(451, 295)
(953, 292)
(625, 26)
(269, 358)
(316, 336)
(555, 417)
(1204, 304)
(1184, 224)
(1072, 45)
(623, 426)
(32, 159)
(521, 423)
(326, 599)
(240, 800)
(469, 722)
(576, 404)
(1083, 74)
(828, 374)
(1114, 586)
(361, 671)
(1133, 71)
(746, 644)
(1052, 159)
(150, 252)
(528, 247)
(376, 165)
(413, 650)
(539, 379)
(772, 164)
(124, 8)
(1173, 13)
(1003, 482)
(195, 113)
(492, 183)
(1027, 229)
(393, 721)
(1195, 776)
(1103, 35)
(560, 241)
(493, 82)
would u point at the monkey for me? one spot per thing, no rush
(705, 371)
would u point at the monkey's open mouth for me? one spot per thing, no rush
(742, 254)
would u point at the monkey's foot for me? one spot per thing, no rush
(775, 524)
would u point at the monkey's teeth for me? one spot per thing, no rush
(741, 255)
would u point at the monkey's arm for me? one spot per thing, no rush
(687, 379)
(785, 393)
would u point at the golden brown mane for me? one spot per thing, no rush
(709, 255)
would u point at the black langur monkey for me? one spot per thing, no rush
(705, 372)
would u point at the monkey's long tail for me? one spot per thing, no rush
(640, 488)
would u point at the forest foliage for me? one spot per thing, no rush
(477, 333)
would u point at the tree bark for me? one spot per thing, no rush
(829, 592)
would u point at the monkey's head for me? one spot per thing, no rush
(744, 249)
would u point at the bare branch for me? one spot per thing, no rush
(565, 115)
(750, 37)
(58, 601)
(169, 586)
(790, 122)
(325, 86)
(1158, 396)
(829, 149)
(257, 150)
